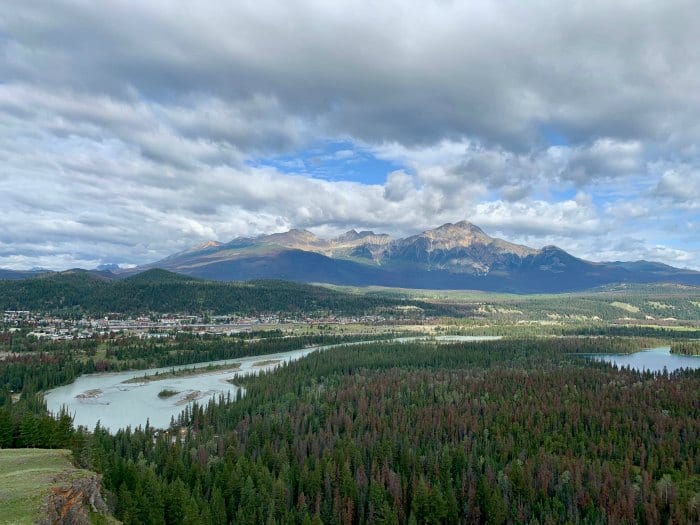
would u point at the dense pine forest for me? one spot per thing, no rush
(686, 347)
(511, 431)
(80, 292)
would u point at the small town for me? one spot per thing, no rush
(55, 328)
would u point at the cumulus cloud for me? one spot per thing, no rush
(491, 70)
(398, 186)
(681, 185)
(538, 218)
(128, 130)
(603, 158)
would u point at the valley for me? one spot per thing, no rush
(350, 263)
(271, 401)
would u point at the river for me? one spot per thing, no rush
(117, 401)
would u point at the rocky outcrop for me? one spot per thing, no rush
(70, 504)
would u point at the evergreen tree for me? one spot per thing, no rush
(6, 428)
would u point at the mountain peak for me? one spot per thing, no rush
(350, 235)
(294, 238)
(461, 225)
(354, 235)
(462, 233)
(107, 267)
(551, 249)
(453, 255)
(207, 244)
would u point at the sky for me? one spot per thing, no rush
(130, 130)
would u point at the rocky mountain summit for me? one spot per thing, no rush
(457, 256)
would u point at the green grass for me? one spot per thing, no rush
(26, 478)
(625, 306)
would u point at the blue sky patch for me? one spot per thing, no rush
(552, 135)
(334, 161)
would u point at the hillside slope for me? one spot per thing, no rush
(42, 486)
(162, 291)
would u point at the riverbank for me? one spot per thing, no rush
(185, 372)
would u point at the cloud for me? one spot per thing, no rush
(568, 218)
(494, 71)
(130, 130)
(605, 157)
(398, 186)
(681, 185)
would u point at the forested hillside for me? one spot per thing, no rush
(633, 303)
(160, 291)
(512, 431)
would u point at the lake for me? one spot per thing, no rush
(653, 360)
(116, 401)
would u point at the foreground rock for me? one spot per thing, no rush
(72, 502)
(42, 486)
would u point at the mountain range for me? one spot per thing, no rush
(452, 256)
